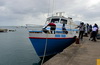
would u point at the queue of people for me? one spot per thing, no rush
(94, 32)
(86, 29)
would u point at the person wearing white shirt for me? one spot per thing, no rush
(94, 33)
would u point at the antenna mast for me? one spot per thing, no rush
(48, 8)
(52, 7)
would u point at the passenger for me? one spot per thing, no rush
(86, 30)
(94, 33)
(81, 30)
(90, 29)
(95, 25)
(45, 30)
(52, 27)
(64, 29)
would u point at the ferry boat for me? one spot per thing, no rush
(53, 43)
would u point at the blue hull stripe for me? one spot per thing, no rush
(50, 38)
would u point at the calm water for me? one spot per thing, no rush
(16, 48)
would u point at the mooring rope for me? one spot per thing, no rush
(45, 49)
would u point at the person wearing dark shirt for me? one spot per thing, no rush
(64, 29)
(90, 28)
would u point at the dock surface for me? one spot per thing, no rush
(85, 53)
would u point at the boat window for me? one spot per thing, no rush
(48, 20)
(63, 21)
(55, 20)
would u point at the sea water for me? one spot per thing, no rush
(16, 48)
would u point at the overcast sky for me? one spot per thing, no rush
(21, 12)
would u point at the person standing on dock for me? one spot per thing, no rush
(81, 30)
(86, 30)
(95, 25)
(94, 33)
(90, 29)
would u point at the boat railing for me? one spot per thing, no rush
(31, 27)
(41, 31)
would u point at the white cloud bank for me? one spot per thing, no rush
(21, 12)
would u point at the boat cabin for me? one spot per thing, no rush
(57, 19)
(60, 22)
(63, 25)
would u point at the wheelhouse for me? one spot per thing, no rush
(57, 19)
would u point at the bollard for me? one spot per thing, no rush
(77, 41)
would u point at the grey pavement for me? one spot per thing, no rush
(85, 53)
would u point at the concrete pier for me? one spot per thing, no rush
(85, 53)
(3, 30)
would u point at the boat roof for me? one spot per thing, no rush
(55, 17)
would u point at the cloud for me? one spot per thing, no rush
(21, 12)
